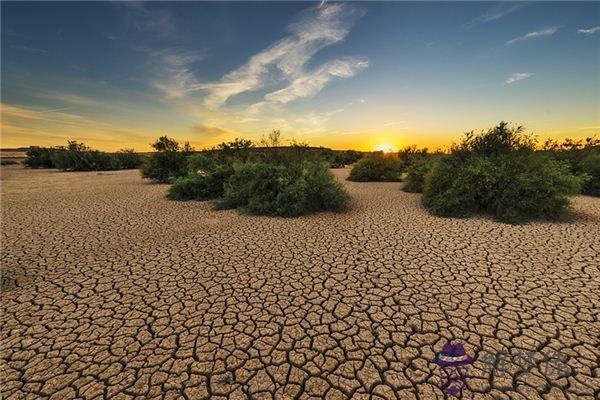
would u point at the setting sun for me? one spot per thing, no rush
(386, 148)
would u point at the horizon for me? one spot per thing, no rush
(361, 76)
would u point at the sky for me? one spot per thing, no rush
(362, 75)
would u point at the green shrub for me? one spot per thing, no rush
(168, 162)
(411, 155)
(452, 187)
(203, 185)
(283, 190)
(498, 173)
(417, 170)
(533, 187)
(128, 159)
(376, 167)
(582, 156)
(40, 157)
(8, 162)
(590, 165)
(78, 157)
(340, 159)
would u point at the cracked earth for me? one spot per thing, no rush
(111, 291)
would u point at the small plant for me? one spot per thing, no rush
(378, 167)
(169, 161)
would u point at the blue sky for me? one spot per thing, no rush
(360, 74)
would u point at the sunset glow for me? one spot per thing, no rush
(367, 76)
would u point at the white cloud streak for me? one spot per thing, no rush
(176, 66)
(518, 76)
(285, 60)
(589, 31)
(496, 12)
(532, 35)
(149, 18)
(311, 83)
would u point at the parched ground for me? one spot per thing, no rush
(110, 291)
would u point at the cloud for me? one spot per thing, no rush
(518, 76)
(149, 19)
(589, 31)
(210, 131)
(496, 12)
(311, 83)
(29, 49)
(285, 60)
(176, 76)
(532, 35)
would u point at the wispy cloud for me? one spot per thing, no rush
(28, 49)
(311, 83)
(149, 18)
(209, 131)
(518, 76)
(496, 12)
(532, 35)
(285, 60)
(176, 76)
(589, 31)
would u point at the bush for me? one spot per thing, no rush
(590, 165)
(340, 159)
(279, 190)
(202, 185)
(582, 156)
(498, 173)
(376, 167)
(78, 157)
(168, 162)
(417, 170)
(8, 162)
(411, 155)
(40, 157)
(128, 159)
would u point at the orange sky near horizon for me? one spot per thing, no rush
(23, 127)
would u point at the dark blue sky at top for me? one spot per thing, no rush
(421, 49)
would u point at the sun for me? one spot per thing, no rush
(386, 148)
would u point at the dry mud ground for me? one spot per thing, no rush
(110, 291)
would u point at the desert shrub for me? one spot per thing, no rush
(416, 172)
(40, 157)
(411, 155)
(128, 159)
(376, 167)
(78, 157)
(590, 165)
(340, 159)
(8, 162)
(169, 161)
(498, 173)
(201, 185)
(533, 187)
(283, 190)
(583, 157)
